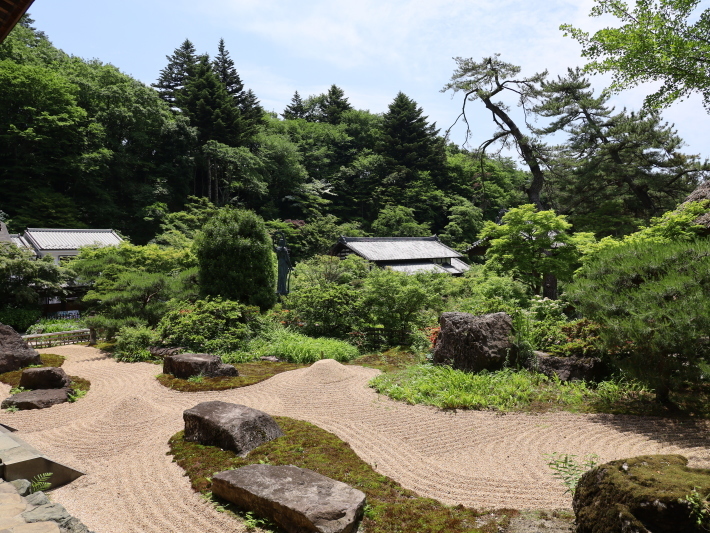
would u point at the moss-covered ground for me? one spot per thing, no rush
(249, 374)
(48, 359)
(390, 507)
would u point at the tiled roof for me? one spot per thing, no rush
(411, 267)
(70, 239)
(398, 248)
(20, 242)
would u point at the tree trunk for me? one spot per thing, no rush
(549, 286)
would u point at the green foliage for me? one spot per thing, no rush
(75, 395)
(662, 40)
(699, 508)
(236, 259)
(212, 325)
(40, 482)
(295, 347)
(19, 319)
(531, 243)
(650, 299)
(53, 325)
(567, 469)
(23, 280)
(402, 302)
(132, 344)
(178, 229)
(398, 221)
(480, 291)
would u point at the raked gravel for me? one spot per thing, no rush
(118, 435)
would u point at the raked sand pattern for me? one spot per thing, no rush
(118, 435)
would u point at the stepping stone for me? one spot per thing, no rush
(36, 399)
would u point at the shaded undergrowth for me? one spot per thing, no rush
(249, 374)
(394, 359)
(522, 390)
(390, 507)
(48, 359)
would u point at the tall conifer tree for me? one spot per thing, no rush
(174, 77)
(295, 109)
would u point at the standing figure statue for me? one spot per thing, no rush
(284, 264)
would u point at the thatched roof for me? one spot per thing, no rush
(10, 13)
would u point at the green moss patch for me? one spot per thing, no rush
(389, 361)
(249, 374)
(390, 507)
(48, 359)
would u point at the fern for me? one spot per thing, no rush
(40, 482)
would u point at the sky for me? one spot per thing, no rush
(372, 49)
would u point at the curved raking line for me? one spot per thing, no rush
(19, 460)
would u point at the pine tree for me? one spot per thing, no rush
(174, 77)
(617, 170)
(252, 115)
(295, 109)
(334, 105)
(224, 68)
(409, 143)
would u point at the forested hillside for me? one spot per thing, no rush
(84, 145)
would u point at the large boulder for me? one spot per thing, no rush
(36, 399)
(194, 364)
(297, 499)
(569, 368)
(14, 351)
(474, 343)
(230, 426)
(44, 378)
(643, 494)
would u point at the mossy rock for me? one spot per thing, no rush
(643, 494)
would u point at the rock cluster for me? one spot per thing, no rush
(187, 365)
(14, 351)
(230, 426)
(474, 343)
(645, 494)
(19, 508)
(569, 368)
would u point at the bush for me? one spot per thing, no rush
(480, 292)
(132, 344)
(54, 325)
(212, 325)
(298, 348)
(651, 300)
(19, 319)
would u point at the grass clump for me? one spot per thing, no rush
(249, 374)
(390, 506)
(397, 358)
(54, 325)
(295, 347)
(507, 390)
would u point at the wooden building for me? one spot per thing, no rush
(11, 12)
(403, 254)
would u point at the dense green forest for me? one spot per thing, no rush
(84, 145)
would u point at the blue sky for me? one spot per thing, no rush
(371, 49)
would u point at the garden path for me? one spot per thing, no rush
(118, 435)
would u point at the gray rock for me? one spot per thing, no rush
(14, 351)
(36, 399)
(44, 378)
(193, 364)
(37, 499)
(51, 512)
(570, 368)
(161, 352)
(22, 486)
(474, 343)
(230, 426)
(297, 499)
(73, 525)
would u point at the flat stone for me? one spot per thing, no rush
(44, 513)
(15, 353)
(44, 378)
(37, 499)
(10, 498)
(74, 525)
(37, 527)
(37, 399)
(297, 499)
(12, 509)
(230, 426)
(22, 486)
(186, 365)
(10, 522)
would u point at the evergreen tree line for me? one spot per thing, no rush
(84, 145)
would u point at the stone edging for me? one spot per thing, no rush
(22, 512)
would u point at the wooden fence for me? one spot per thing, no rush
(45, 340)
